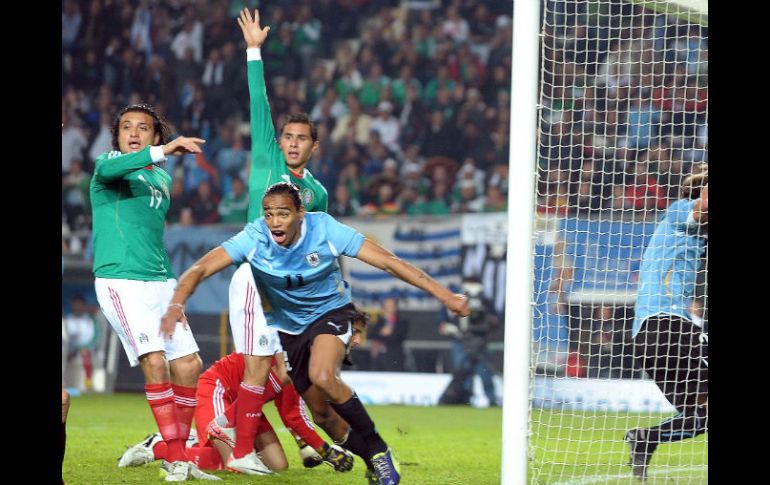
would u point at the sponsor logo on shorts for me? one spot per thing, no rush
(143, 338)
(263, 341)
(313, 259)
(253, 415)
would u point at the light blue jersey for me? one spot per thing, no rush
(300, 283)
(669, 266)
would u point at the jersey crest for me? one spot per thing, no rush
(306, 195)
(313, 259)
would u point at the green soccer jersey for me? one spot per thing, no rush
(268, 165)
(129, 201)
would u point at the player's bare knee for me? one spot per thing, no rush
(325, 379)
(154, 367)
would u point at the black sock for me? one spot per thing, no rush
(355, 443)
(354, 413)
(687, 424)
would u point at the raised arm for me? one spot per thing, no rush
(212, 263)
(379, 257)
(262, 130)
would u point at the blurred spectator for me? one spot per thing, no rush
(178, 200)
(204, 204)
(353, 127)
(643, 193)
(73, 142)
(439, 137)
(387, 126)
(70, 23)
(342, 205)
(307, 37)
(83, 335)
(234, 206)
(386, 338)
(190, 38)
(75, 196)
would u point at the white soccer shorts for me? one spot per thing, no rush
(251, 334)
(134, 309)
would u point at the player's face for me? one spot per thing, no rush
(136, 130)
(282, 218)
(297, 145)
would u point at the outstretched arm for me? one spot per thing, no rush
(113, 165)
(212, 263)
(379, 257)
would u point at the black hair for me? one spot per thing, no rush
(160, 126)
(304, 119)
(285, 188)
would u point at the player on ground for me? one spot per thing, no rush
(134, 279)
(668, 343)
(293, 255)
(217, 387)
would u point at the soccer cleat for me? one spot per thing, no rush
(337, 457)
(371, 478)
(641, 452)
(178, 471)
(225, 435)
(386, 468)
(250, 464)
(140, 454)
(310, 457)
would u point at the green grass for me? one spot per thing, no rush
(444, 445)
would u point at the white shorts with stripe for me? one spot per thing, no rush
(134, 309)
(251, 334)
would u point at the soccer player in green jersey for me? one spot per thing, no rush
(134, 280)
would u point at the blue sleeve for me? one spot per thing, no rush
(345, 239)
(679, 212)
(242, 244)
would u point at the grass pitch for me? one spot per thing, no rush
(443, 445)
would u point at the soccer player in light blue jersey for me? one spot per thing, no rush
(293, 255)
(669, 343)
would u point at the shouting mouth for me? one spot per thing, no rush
(279, 237)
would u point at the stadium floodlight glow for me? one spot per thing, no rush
(609, 113)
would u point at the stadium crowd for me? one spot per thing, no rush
(411, 99)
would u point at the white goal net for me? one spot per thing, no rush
(623, 122)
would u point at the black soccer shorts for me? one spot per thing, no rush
(297, 347)
(674, 352)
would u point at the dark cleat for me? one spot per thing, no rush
(641, 452)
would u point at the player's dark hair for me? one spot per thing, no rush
(159, 125)
(285, 188)
(304, 119)
(694, 183)
(359, 316)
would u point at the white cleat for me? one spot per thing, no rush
(249, 464)
(178, 471)
(140, 454)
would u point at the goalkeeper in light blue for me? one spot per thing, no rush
(669, 344)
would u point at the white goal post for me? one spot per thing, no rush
(609, 114)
